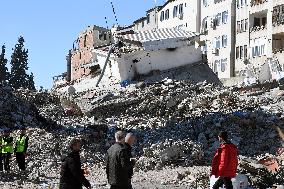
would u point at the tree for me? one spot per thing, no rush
(4, 74)
(31, 83)
(19, 66)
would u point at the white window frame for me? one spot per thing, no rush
(175, 11)
(162, 16)
(224, 40)
(224, 63)
(224, 17)
(167, 14)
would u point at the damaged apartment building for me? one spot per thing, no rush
(80, 59)
(164, 39)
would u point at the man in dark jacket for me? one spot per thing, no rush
(225, 162)
(129, 141)
(118, 164)
(71, 175)
(21, 149)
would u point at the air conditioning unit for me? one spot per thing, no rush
(180, 16)
(215, 51)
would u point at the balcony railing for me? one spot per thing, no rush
(258, 28)
(278, 15)
(257, 2)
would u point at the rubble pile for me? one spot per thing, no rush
(176, 124)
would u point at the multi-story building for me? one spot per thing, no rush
(149, 22)
(181, 14)
(260, 34)
(82, 60)
(218, 29)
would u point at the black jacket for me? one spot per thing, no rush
(132, 163)
(118, 166)
(71, 175)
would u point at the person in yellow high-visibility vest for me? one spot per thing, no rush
(21, 149)
(7, 149)
(1, 156)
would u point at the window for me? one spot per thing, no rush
(245, 51)
(162, 17)
(167, 14)
(238, 5)
(218, 19)
(143, 24)
(148, 18)
(180, 10)
(262, 50)
(238, 26)
(264, 21)
(218, 45)
(204, 23)
(242, 25)
(242, 3)
(216, 65)
(105, 36)
(224, 64)
(175, 11)
(256, 22)
(85, 40)
(241, 52)
(237, 52)
(246, 24)
(224, 17)
(224, 40)
(205, 3)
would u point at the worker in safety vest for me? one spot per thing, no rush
(7, 149)
(1, 157)
(21, 149)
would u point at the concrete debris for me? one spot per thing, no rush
(176, 124)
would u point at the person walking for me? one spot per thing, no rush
(225, 162)
(118, 164)
(71, 174)
(21, 149)
(7, 149)
(130, 139)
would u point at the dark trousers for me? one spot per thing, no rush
(1, 162)
(6, 159)
(20, 158)
(223, 180)
(121, 187)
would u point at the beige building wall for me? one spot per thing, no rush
(218, 26)
(184, 14)
(264, 39)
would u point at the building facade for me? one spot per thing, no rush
(218, 33)
(181, 14)
(149, 22)
(82, 58)
(260, 34)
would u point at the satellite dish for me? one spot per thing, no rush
(71, 90)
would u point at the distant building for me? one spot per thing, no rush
(259, 34)
(218, 33)
(149, 22)
(181, 14)
(82, 59)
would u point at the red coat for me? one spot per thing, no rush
(225, 161)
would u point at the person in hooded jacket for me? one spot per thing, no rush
(71, 175)
(225, 162)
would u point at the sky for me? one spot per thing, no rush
(50, 27)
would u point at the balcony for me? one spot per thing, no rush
(258, 5)
(278, 19)
(258, 31)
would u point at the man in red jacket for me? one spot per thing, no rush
(225, 162)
